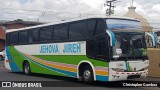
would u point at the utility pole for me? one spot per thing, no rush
(110, 9)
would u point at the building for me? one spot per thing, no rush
(19, 24)
(2, 38)
(13, 25)
(144, 23)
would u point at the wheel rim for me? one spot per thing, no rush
(87, 75)
(26, 69)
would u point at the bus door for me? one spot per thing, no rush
(98, 48)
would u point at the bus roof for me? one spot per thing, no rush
(65, 21)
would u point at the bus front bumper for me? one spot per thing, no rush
(118, 76)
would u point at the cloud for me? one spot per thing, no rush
(63, 9)
(52, 8)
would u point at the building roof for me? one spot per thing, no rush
(144, 23)
(22, 22)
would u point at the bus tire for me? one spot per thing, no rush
(87, 74)
(26, 68)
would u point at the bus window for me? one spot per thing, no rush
(33, 35)
(61, 32)
(7, 39)
(14, 38)
(91, 48)
(100, 29)
(23, 37)
(102, 48)
(98, 48)
(46, 34)
(91, 28)
(77, 30)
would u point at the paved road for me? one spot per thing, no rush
(72, 84)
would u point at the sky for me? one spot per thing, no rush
(55, 10)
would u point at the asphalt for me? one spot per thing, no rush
(1, 63)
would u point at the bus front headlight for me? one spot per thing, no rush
(119, 51)
(118, 69)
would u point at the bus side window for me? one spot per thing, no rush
(98, 48)
(91, 48)
(77, 30)
(100, 27)
(91, 24)
(34, 35)
(61, 32)
(7, 39)
(23, 37)
(102, 48)
(46, 34)
(13, 38)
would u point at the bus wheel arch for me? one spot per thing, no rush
(26, 67)
(85, 65)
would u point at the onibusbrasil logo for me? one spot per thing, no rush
(20, 84)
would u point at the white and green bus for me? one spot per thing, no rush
(90, 49)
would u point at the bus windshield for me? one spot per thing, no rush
(118, 24)
(130, 39)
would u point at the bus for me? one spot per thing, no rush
(158, 36)
(90, 49)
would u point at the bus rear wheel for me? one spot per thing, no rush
(87, 74)
(26, 68)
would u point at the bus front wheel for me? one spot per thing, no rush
(87, 74)
(26, 68)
